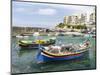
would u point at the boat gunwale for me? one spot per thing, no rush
(56, 55)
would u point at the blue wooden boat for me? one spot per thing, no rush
(64, 52)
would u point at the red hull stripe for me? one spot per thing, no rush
(59, 56)
(47, 54)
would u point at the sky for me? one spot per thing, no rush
(43, 14)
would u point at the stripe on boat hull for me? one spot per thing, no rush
(41, 57)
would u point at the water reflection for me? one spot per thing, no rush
(24, 60)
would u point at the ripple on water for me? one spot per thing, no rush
(24, 60)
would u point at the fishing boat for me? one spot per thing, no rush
(22, 36)
(35, 44)
(64, 52)
(74, 34)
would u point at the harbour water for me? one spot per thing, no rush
(24, 60)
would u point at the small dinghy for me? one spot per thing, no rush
(64, 52)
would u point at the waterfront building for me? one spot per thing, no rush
(67, 20)
(83, 19)
(79, 19)
(74, 20)
(91, 24)
(92, 18)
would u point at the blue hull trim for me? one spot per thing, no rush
(43, 58)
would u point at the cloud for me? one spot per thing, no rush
(28, 8)
(42, 11)
(25, 11)
(47, 11)
(76, 8)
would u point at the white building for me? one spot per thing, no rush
(83, 19)
(67, 20)
(79, 19)
(92, 18)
